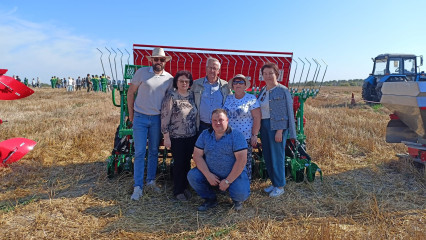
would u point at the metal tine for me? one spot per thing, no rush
(315, 73)
(101, 60)
(248, 73)
(309, 69)
(115, 63)
(227, 66)
(206, 57)
(326, 66)
(177, 62)
(192, 60)
(319, 70)
(234, 65)
(121, 60)
(128, 59)
(137, 56)
(184, 61)
(301, 74)
(289, 69)
(255, 75)
(294, 75)
(201, 60)
(242, 67)
(170, 65)
(110, 66)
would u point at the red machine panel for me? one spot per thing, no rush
(11, 89)
(12, 150)
(233, 62)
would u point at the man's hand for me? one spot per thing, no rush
(223, 185)
(213, 179)
(131, 113)
(279, 136)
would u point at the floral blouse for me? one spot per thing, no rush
(178, 115)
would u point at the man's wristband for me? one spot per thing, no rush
(254, 135)
(227, 182)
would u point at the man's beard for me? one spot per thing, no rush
(158, 67)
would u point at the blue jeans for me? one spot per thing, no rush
(273, 153)
(239, 190)
(146, 128)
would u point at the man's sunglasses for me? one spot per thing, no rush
(159, 59)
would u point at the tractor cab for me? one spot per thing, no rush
(394, 65)
(391, 68)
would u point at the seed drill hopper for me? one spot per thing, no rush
(407, 100)
(233, 62)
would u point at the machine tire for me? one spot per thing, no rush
(378, 93)
(366, 91)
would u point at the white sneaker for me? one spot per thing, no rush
(151, 185)
(137, 194)
(269, 189)
(276, 192)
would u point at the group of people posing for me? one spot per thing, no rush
(205, 121)
(91, 83)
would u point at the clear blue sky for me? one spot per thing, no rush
(45, 38)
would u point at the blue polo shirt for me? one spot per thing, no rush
(219, 154)
(211, 99)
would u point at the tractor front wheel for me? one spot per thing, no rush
(367, 88)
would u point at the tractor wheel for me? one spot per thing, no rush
(378, 92)
(366, 91)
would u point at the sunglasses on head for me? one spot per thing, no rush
(159, 59)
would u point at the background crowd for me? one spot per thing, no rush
(89, 83)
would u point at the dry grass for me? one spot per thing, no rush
(60, 190)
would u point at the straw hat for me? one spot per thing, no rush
(158, 53)
(239, 76)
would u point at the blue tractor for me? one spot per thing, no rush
(391, 68)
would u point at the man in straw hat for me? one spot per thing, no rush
(151, 85)
(210, 93)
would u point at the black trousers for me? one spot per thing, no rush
(182, 149)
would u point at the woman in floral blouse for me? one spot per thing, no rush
(178, 116)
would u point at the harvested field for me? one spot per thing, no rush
(60, 189)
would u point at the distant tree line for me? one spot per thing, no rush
(345, 83)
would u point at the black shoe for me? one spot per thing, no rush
(187, 194)
(237, 205)
(209, 203)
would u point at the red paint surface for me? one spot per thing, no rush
(233, 62)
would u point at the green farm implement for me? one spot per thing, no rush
(248, 63)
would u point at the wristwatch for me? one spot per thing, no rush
(227, 182)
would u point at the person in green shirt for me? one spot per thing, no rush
(104, 82)
(95, 81)
(26, 82)
(53, 81)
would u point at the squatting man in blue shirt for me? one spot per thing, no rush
(223, 165)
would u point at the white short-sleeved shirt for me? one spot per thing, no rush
(239, 112)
